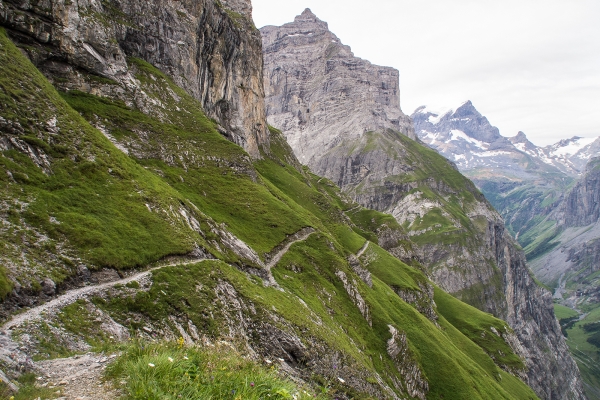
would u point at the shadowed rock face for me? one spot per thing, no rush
(319, 94)
(213, 51)
(582, 204)
(342, 118)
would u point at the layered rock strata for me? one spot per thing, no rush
(319, 93)
(211, 49)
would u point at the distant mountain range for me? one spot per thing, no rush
(466, 137)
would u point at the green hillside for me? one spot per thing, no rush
(69, 196)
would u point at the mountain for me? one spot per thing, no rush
(322, 87)
(150, 219)
(548, 196)
(522, 181)
(466, 137)
(341, 116)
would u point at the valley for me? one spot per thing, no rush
(192, 208)
(547, 196)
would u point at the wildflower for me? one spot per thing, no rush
(181, 341)
(185, 358)
(151, 365)
(251, 384)
(341, 380)
(170, 359)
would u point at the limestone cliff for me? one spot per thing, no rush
(319, 93)
(209, 48)
(336, 112)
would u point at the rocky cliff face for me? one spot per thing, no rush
(319, 94)
(571, 233)
(457, 235)
(210, 48)
(581, 205)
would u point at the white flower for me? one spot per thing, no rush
(341, 380)
(185, 358)
(151, 365)
(170, 359)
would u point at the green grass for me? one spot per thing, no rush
(77, 319)
(586, 354)
(27, 389)
(562, 312)
(5, 284)
(171, 371)
(476, 325)
(214, 174)
(96, 195)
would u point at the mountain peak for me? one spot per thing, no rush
(466, 108)
(307, 13)
(519, 138)
(308, 16)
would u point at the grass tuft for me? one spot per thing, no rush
(171, 371)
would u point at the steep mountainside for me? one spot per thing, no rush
(207, 47)
(455, 233)
(129, 213)
(554, 217)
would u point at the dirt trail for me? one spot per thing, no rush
(297, 237)
(363, 249)
(78, 377)
(73, 295)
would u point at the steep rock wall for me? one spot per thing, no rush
(209, 48)
(314, 83)
(581, 205)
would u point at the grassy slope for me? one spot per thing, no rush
(586, 354)
(93, 197)
(260, 206)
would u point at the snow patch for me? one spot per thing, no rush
(573, 147)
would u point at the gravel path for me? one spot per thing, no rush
(78, 377)
(72, 296)
(297, 237)
(363, 249)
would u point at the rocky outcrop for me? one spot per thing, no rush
(354, 294)
(210, 48)
(397, 347)
(319, 94)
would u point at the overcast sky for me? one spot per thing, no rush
(529, 65)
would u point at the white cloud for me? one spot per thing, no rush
(527, 65)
